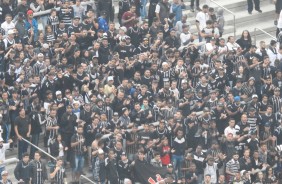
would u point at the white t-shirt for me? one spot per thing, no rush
(158, 8)
(184, 38)
(7, 26)
(202, 18)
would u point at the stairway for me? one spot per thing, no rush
(244, 21)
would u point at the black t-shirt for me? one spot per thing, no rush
(22, 124)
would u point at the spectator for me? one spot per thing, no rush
(162, 10)
(22, 130)
(100, 168)
(58, 174)
(38, 171)
(4, 176)
(8, 24)
(31, 23)
(22, 170)
(78, 148)
(129, 17)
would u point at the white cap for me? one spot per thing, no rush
(40, 54)
(4, 172)
(100, 151)
(11, 31)
(164, 63)
(254, 96)
(76, 101)
(123, 28)
(58, 93)
(110, 78)
(45, 46)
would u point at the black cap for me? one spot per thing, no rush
(21, 14)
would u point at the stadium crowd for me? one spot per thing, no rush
(149, 95)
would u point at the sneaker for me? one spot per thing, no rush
(199, 9)
(259, 11)
(250, 13)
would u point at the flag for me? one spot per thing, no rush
(147, 174)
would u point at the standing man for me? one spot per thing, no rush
(201, 19)
(79, 148)
(22, 130)
(162, 11)
(38, 170)
(22, 170)
(111, 166)
(58, 175)
(32, 24)
(129, 17)
(67, 124)
(152, 8)
(51, 128)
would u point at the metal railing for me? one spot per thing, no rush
(234, 16)
(39, 149)
(263, 31)
(10, 160)
(87, 179)
(46, 12)
(129, 130)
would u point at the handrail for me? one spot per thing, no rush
(10, 160)
(82, 176)
(45, 12)
(128, 130)
(39, 149)
(234, 15)
(263, 32)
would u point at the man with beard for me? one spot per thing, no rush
(143, 47)
(78, 148)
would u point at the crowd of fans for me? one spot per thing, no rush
(209, 108)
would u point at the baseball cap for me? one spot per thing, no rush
(58, 93)
(254, 96)
(110, 78)
(11, 31)
(100, 151)
(29, 12)
(4, 173)
(237, 99)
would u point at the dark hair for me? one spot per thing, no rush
(25, 155)
(249, 36)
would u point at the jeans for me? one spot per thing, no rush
(79, 163)
(143, 9)
(177, 161)
(193, 3)
(34, 140)
(8, 132)
(2, 169)
(22, 148)
(251, 6)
